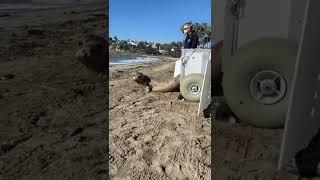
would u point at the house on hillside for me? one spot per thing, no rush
(162, 51)
(132, 43)
(154, 46)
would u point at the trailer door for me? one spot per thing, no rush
(303, 117)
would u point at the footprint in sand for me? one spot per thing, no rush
(148, 153)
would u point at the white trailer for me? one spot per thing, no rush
(194, 69)
(271, 71)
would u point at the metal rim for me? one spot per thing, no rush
(194, 89)
(268, 87)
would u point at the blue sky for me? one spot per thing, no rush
(155, 20)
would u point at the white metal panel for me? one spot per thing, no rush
(297, 15)
(205, 97)
(263, 18)
(228, 33)
(194, 64)
(258, 18)
(303, 118)
(218, 9)
(177, 68)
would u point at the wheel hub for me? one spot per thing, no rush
(268, 87)
(194, 89)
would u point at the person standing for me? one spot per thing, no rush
(192, 40)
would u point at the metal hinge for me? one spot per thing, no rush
(235, 8)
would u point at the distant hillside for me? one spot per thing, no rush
(117, 46)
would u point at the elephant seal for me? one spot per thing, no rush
(156, 86)
(93, 53)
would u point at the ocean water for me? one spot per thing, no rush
(125, 59)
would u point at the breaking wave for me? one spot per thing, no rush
(123, 59)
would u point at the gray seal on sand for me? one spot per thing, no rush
(155, 86)
(93, 53)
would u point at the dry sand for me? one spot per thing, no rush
(53, 110)
(154, 135)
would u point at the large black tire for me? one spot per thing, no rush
(191, 81)
(277, 55)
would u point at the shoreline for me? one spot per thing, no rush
(111, 53)
(114, 68)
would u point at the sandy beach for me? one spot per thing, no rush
(155, 135)
(244, 152)
(54, 113)
(53, 110)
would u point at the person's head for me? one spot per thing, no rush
(187, 28)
